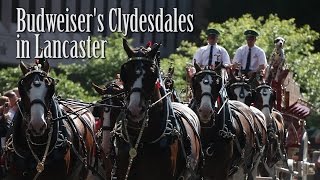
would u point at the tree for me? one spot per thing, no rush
(299, 49)
(299, 46)
(9, 78)
(99, 71)
(179, 61)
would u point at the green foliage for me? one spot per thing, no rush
(313, 119)
(179, 61)
(300, 57)
(99, 71)
(299, 41)
(66, 88)
(9, 78)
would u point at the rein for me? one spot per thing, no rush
(40, 165)
(133, 148)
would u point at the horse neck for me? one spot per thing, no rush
(158, 115)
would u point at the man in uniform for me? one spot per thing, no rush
(250, 58)
(212, 53)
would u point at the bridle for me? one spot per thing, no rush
(121, 129)
(49, 82)
(206, 82)
(264, 89)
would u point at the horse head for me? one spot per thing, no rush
(264, 100)
(140, 76)
(206, 85)
(36, 89)
(112, 100)
(239, 89)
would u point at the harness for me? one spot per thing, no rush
(58, 144)
(173, 128)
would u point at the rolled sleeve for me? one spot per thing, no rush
(237, 57)
(225, 57)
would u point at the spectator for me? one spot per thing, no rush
(4, 126)
(13, 107)
(16, 90)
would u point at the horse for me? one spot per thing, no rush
(108, 111)
(169, 85)
(229, 136)
(153, 139)
(49, 140)
(238, 88)
(275, 150)
(262, 100)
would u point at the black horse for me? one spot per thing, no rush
(48, 141)
(153, 139)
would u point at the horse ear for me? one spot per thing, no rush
(23, 68)
(126, 47)
(197, 67)
(46, 66)
(98, 89)
(154, 50)
(171, 70)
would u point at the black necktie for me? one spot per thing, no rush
(248, 61)
(210, 56)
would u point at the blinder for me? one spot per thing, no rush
(138, 64)
(273, 95)
(37, 76)
(244, 86)
(198, 77)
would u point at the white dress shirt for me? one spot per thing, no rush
(219, 54)
(258, 57)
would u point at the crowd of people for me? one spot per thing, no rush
(8, 108)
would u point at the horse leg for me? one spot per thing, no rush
(240, 174)
(254, 171)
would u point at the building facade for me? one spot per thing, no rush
(8, 23)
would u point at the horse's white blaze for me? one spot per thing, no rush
(266, 95)
(237, 91)
(135, 98)
(37, 114)
(206, 109)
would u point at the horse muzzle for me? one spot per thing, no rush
(205, 114)
(136, 113)
(37, 129)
